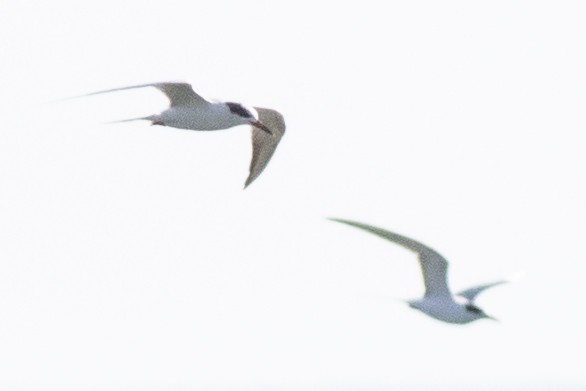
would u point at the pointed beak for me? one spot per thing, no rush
(261, 126)
(492, 318)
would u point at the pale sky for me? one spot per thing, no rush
(131, 258)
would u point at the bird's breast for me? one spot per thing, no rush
(196, 118)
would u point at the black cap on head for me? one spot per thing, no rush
(472, 308)
(238, 109)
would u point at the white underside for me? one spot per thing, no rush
(444, 309)
(208, 117)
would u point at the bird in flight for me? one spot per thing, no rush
(438, 301)
(188, 110)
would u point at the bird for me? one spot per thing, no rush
(188, 110)
(438, 302)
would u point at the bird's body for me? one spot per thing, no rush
(438, 301)
(446, 309)
(188, 110)
(212, 116)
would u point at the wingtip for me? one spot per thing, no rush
(247, 183)
(343, 221)
(354, 224)
(515, 277)
(337, 220)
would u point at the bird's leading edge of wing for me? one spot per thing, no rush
(433, 266)
(471, 293)
(263, 144)
(178, 93)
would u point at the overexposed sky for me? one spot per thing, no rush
(131, 258)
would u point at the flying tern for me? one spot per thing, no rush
(188, 110)
(438, 301)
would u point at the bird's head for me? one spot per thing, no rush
(244, 116)
(479, 313)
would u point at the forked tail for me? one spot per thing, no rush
(148, 118)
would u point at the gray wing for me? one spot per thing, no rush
(471, 293)
(433, 266)
(264, 144)
(179, 94)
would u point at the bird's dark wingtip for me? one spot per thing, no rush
(344, 221)
(338, 220)
(247, 183)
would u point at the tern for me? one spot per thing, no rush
(188, 110)
(437, 302)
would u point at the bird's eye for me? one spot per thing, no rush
(237, 109)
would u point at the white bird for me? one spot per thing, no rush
(437, 302)
(188, 110)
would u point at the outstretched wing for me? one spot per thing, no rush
(471, 293)
(179, 94)
(264, 144)
(433, 266)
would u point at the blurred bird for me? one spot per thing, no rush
(188, 110)
(437, 302)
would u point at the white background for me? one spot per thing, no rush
(131, 258)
